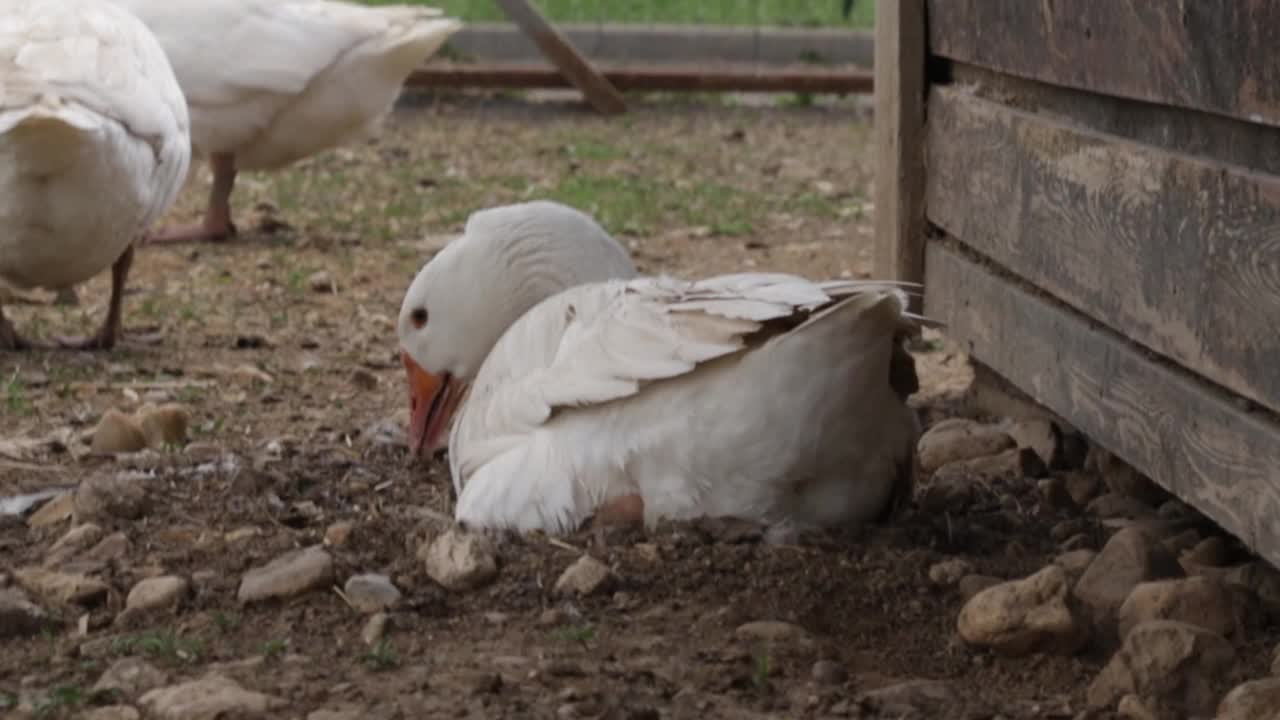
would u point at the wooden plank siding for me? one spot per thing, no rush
(1194, 439)
(1213, 55)
(1178, 253)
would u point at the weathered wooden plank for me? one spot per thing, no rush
(673, 43)
(1213, 55)
(671, 77)
(1179, 254)
(1190, 438)
(899, 132)
(603, 96)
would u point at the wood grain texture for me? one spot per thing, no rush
(597, 89)
(1179, 254)
(899, 135)
(1190, 438)
(1214, 55)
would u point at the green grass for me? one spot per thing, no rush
(809, 13)
(165, 645)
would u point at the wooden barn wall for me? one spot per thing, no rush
(1101, 186)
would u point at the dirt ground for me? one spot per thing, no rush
(315, 438)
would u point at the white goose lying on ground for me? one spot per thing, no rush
(270, 82)
(94, 146)
(759, 396)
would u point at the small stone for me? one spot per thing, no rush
(1039, 435)
(1256, 700)
(959, 439)
(1261, 580)
(1009, 465)
(363, 379)
(772, 631)
(54, 511)
(248, 375)
(341, 714)
(1130, 557)
(241, 534)
(75, 540)
(829, 672)
(130, 676)
(338, 534)
(948, 572)
(912, 699)
(157, 593)
(209, 698)
(19, 617)
(1196, 601)
(585, 576)
(1023, 616)
(1209, 552)
(1075, 562)
(111, 547)
(117, 433)
(111, 497)
(111, 712)
(1131, 707)
(971, 585)
(321, 282)
(1174, 669)
(1081, 487)
(374, 629)
(1113, 505)
(165, 425)
(371, 592)
(61, 588)
(294, 573)
(460, 560)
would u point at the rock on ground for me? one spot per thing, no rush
(61, 588)
(959, 439)
(1130, 557)
(1075, 562)
(586, 576)
(291, 574)
(1195, 600)
(1023, 616)
(949, 572)
(72, 542)
(112, 712)
(1256, 700)
(971, 585)
(19, 617)
(110, 496)
(371, 592)
(772, 631)
(157, 593)
(130, 677)
(1175, 669)
(912, 699)
(460, 560)
(54, 511)
(209, 698)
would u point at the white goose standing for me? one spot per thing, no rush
(270, 82)
(94, 147)
(760, 396)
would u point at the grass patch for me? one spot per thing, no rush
(640, 205)
(15, 396)
(63, 698)
(575, 633)
(381, 657)
(808, 13)
(166, 645)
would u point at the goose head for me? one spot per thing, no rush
(508, 259)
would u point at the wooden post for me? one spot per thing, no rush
(602, 95)
(899, 137)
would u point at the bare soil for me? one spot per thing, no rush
(694, 188)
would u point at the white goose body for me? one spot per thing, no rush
(94, 139)
(274, 81)
(759, 396)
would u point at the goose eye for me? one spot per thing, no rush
(419, 317)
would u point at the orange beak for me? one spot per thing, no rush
(432, 402)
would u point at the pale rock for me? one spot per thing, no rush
(585, 576)
(1130, 557)
(248, 375)
(1039, 435)
(241, 534)
(291, 574)
(912, 699)
(460, 560)
(111, 712)
(54, 511)
(164, 425)
(19, 617)
(338, 534)
(111, 496)
(375, 628)
(1195, 600)
(130, 676)
(211, 697)
(112, 547)
(321, 282)
(1113, 505)
(117, 432)
(1174, 669)
(61, 588)
(1255, 700)
(157, 593)
(1075, 562)
(971, 585)
(773, 631)
(371, 592)
(341, 714)
(959, 439)
(1082, 487)
(1131, 707)
(1023, 616)
(1261, 580)
(1011, 464)
(72, 542)
(948, 572)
